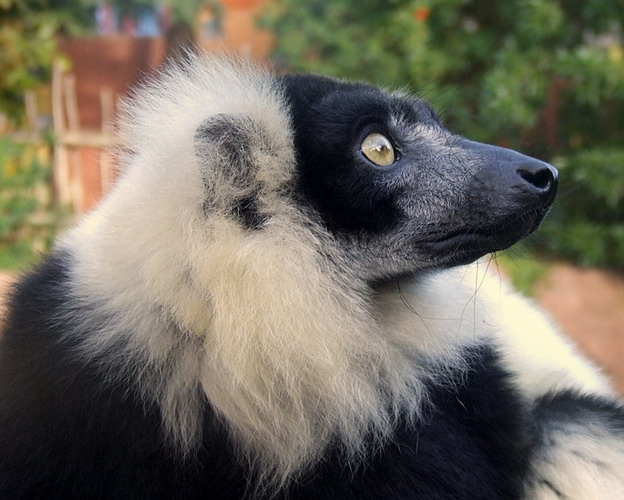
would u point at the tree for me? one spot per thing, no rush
(543, 76)
(27, 42)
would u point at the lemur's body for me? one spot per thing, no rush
(263, 307)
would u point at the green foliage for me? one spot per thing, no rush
(24, 176)
(587, 222)
(18, 178)
(523, 269)
(28, 30)
(489, 62)
(543, 76)
(379, 41)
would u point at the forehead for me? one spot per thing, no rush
(341, 102)
(369, 103)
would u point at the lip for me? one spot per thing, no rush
(467, 244)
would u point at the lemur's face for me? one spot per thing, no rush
(405, 193)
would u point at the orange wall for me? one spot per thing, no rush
(115, 62)
(239, 31)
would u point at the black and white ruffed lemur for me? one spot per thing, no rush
(276, 301)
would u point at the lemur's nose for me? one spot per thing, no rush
(513, 178)
(542, 177)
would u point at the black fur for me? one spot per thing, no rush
(90, 439)
(67, 432)
(466, 446)
(558, 410)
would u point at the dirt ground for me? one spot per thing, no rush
(587, 304)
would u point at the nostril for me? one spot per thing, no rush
(543, 177)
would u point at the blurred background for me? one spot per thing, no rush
(545, 77)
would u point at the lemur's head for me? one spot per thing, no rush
(407, 194)
(386, 189)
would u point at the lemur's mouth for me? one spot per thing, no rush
(469, 243)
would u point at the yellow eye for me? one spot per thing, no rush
(378, 149)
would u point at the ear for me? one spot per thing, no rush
(227, 148)
(225, 142)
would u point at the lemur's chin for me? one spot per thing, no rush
(471, 243)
